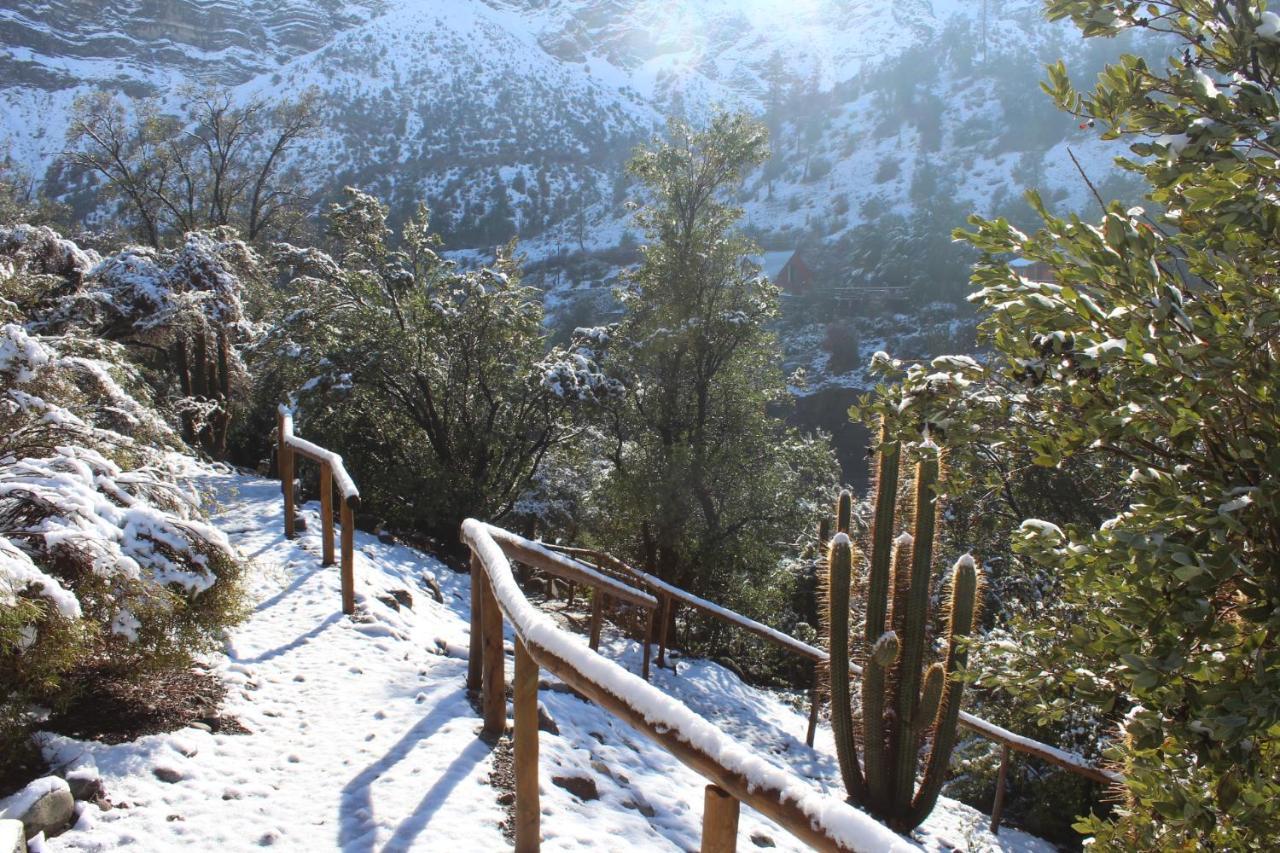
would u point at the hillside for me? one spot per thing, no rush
(515, 119)
(360, 733)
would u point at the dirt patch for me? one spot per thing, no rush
(116, 708)
(503, 780)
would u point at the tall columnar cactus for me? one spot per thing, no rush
(904, 702)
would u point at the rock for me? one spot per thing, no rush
(12, 838)
(433, 586)
(759, 839)
(397, 598)
(86, 787)
(204, 727)
(582, 787)
(731, 665)
(506, 798)
(546, 723)
(608, 772)
(640, 804)
(299, 522)
(45, 805)
(168, 774)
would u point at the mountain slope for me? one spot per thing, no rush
(513, 118)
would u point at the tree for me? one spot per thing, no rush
(706, 487)
(20, 199)
(1157, 348)
(220, 163)
(434, 382)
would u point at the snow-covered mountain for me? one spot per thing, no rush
(515, 116)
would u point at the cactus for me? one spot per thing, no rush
(904, 702)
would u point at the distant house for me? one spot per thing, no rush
(787, 270)
(1033, 270)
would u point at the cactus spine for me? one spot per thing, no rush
(904, 702)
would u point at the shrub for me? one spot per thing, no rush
(103, 557)
(1154, 349)
(435, 382)
(843, 345)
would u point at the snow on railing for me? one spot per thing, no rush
(331, 470)
(736, 774)
(1008, 740)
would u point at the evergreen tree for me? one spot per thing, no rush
(1155, 349)
(706, 486)
(435, 382)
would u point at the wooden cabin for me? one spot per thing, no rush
(1033, 270)
(787, 270)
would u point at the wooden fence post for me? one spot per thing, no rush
(474, 660)
(719, 821)
(997, 808)
(662, 629)
(815, 700)
(597, 606)
(524, 691)
(348, 558)
(285, 454)
(494, 677)
(326, 513)
(648, 645)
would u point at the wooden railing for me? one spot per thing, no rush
(735, 774)
(331, 469)
(668, 594)
(485, 671)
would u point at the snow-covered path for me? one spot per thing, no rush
(362, 738)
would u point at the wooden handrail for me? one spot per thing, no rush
(316, 453)
(539, 556)
(536, 555)
(988, 730)
(331, 470)
(820, 820)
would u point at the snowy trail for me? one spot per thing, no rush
(362, 738)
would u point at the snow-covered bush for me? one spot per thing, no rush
(181, 312)
(434, 382)
(104, 560)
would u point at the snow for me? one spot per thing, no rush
(363, 738)
(747, 624)
(771, 263)
(1269, 28)
(17, 573)
(852, 829)
(20, 354)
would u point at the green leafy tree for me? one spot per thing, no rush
(434, 383)
(707, 488)
(1156, 349)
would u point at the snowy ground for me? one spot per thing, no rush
(362, 738)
